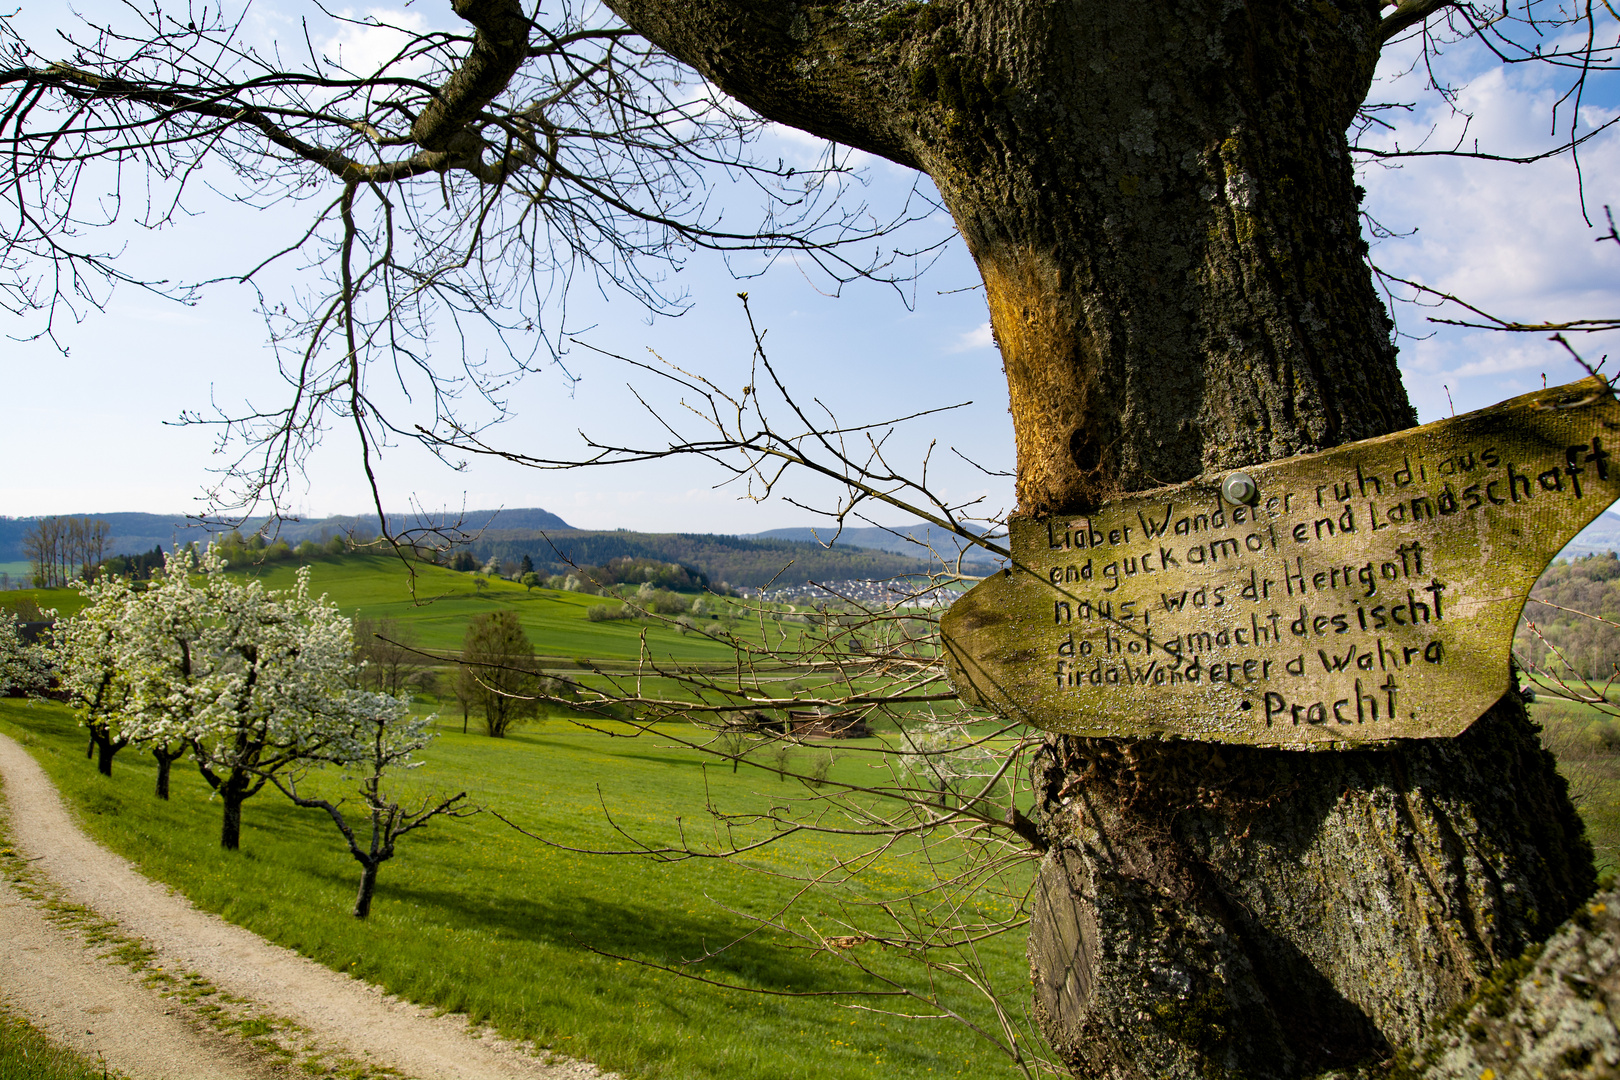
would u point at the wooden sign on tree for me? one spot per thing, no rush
(1366, 593)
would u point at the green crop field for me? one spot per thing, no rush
(474, 916)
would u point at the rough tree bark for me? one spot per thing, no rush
(165, 763)
(236, 787)
(1161, 202)
(368, 888)
(105, 746)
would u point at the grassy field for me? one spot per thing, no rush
(1586, 741)
(473, 916)
(439, 604)
(26, 1054)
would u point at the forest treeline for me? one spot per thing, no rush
(734, 560)
(697, 560)
(1589, 585)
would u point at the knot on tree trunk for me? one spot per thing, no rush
(1215, 910)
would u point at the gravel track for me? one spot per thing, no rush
(51, 977)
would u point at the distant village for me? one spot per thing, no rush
(861, 592)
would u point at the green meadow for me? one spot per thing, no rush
(473, 916)
(26, 1054)
(438, 603)
(558, 946)
(1586, 740)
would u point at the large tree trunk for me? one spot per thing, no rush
(1215, 909)
(1160, 199)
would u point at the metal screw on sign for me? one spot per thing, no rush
(1240, 489)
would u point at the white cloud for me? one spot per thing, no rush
(374, 38)
(1510, 239)
(979, 337)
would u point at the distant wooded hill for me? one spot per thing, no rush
(1600, 537)
(735, 560)
(134, 532)
(552, 544)
(1589, 585)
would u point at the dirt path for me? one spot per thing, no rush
(48, 976)
(103, 1010)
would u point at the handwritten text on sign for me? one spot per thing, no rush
(1366, 593)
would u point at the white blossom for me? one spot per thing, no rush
(23, 667)
(255, 680)
(88, 649)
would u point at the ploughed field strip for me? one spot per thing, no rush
(286, 1006)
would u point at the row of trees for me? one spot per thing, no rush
(261, 687)
(237, 550)
(139, 566)
(725, 561)
(61, 549)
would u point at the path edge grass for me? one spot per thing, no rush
(273, 1039)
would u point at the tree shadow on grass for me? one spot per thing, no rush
(642, 933)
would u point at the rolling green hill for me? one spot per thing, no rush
(444, 602)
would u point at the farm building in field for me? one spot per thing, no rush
(814, 725)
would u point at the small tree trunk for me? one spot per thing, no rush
(230, 833)
(368, 886)
(165, 761)
(232, 793)
(104, 746)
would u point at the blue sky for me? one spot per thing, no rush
(88, 431)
